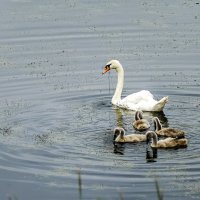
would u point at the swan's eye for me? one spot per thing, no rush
(106, 68)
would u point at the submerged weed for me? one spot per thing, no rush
(158, 191)
(79, 184)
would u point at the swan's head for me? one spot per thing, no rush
(150, 135)
(112, 64)
(119, 131)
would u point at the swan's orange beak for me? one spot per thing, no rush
(106, 69)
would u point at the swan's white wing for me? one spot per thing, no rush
(138, 97)
(142, 100)
(142, 105)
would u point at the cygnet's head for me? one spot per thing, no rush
(118, 131)
(112, 64)
(150, 135)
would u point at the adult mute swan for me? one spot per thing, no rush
(140, 124)
(167, 132)
(142, 100)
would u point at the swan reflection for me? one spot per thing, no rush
(151, 154)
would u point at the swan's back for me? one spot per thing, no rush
(130, 138)
(171, 132)
(140, 124)
(138, 97)
(144, 101)
(135, 138)
(172, 143)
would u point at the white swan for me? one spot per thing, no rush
(140, 124)
(142, 100)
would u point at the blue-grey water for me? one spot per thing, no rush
(56, 119)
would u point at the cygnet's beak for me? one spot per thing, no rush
(106, 69)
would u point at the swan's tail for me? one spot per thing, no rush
(160, 105)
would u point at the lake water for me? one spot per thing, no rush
(56, 119)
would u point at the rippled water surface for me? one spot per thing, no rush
(56, 119)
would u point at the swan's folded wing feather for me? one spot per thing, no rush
(143, 95)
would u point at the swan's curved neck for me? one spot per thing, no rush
(155, 139)
(152, 135)
(138, 115)
(120, 84)
(157, 124)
